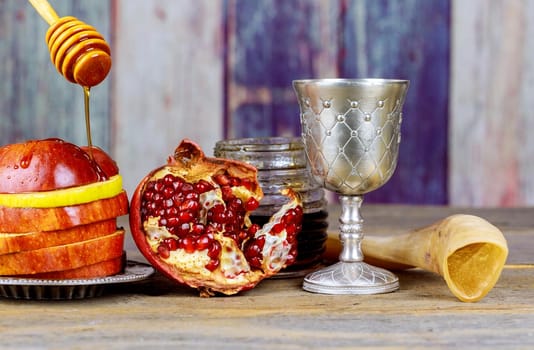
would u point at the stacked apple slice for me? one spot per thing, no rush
(59, 205)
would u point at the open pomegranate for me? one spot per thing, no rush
(190, 219)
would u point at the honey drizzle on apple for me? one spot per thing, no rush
(86, 96)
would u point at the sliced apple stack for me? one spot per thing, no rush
(59, 205)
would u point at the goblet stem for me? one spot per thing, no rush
(351, 275)
(351, 228)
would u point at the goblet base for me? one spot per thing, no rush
(351, 278)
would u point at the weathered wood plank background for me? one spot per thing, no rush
(214, 69)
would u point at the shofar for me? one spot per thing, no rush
(466, 250)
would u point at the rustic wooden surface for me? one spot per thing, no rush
(209, 69)
(278, 314)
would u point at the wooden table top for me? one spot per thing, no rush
(278, 314)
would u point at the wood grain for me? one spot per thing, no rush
(278, 313)
(407, 40)
(269, 44)
(167, 81)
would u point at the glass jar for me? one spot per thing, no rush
(281, 163)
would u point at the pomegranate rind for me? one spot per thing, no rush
(234, 273)
(191, 163)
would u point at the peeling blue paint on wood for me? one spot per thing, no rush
(408, 40)
(278, 41)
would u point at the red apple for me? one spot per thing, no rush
(58, 210)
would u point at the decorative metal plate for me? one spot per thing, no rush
(45, 289)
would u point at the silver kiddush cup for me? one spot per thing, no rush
(351, 132)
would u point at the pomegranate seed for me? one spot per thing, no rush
(299, 212)
(212, 265)
(197, 229)
(172, 244)
(210, 230)
(291, 229)
(235, 181)
(247, 184)
(159, 185)
(192, 196)
(178, 199)
(290, 259)
(277, 228)
(255, 262)
(253, 229)
(236, 204)
(289, 217)
(163, 251)
(203, 242)
(214, 250)
(188, 244)
(252, 249)
(157, 197)
(168, 192)
(172, 211)
(178, 183)
(183, 229)
(230, 216)
(252, 204)
(185, 217)
(168, 179)
(233, 235)
(172, 221)
(203, 186)
(221, 179)
(187, 187)
(147, 195)
(243, 235)
(190, 204)
(227, 194)
(217, 214)
(260, 241)
(151, 207)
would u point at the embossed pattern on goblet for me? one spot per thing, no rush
(351, 131)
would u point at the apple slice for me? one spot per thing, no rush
(17, 242)
(101, 269)
(64, 196)
(64, 257)
(18, 220)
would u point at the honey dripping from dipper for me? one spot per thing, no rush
(78, 51)
(86, 97)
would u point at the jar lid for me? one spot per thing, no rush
(264, 153)
(261, 144)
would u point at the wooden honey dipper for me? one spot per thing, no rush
(77, 50)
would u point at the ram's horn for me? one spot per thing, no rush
(466, 250)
